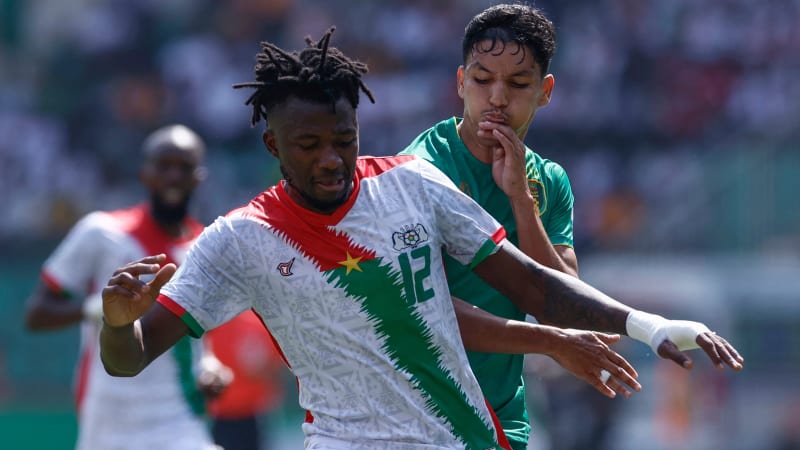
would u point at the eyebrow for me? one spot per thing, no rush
(347, 131)
(523, 72)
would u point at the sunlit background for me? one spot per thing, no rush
(678, 122)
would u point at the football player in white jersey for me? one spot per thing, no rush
(111, 410)
(342, 260)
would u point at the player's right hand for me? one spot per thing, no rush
(126, 297)
(587, 355)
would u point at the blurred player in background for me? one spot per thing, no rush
(164, 407)
(238, 414)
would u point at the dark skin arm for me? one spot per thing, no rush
(47, 310)
(565, 301)
(583, 353)
(136, 329)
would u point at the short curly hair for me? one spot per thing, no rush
(519, 23)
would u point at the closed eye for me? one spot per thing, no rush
(349, 143)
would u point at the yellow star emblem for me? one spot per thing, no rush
(351, 263)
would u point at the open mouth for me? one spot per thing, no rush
(331, 185)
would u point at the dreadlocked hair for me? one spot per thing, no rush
(318, 73)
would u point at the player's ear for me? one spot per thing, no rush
(269, 142)
(460, 81)
(547, 89)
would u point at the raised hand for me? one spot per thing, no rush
(587, 355)
(508, 159)
(126, 297)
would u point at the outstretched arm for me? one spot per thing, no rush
(586, 354)
(48, 310)
(565, 301)
(136, 329)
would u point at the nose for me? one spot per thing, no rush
(176, 173)
(498, 97)
(329, 158)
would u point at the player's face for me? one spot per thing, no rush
(502, 85)
(317, 147)
(171, 175)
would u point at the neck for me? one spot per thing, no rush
(175, 230)
(169, 219)
(469, 137)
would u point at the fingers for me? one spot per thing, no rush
(621, 374)
(621, 382)
(144, 266)
(126, 283)
(719, 351)
(504, 135)
(509, 148)
(163, 276)
(592, 360)
(608, 338)
(493, 129)
(623, 369)
(668, 350)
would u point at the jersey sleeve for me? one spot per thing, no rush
(469, 233)
(69, 269)
(210, 286)
(559, 223)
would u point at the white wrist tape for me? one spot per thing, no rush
(653, 329)
(93, 306)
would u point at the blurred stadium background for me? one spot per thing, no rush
(678, 122)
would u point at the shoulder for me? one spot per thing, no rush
(434, 141)
(370, 166)
(99, 222)
(547, 168)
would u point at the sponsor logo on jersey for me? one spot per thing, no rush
(285, 268)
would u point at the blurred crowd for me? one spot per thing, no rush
(660, 109)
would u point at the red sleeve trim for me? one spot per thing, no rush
(499, 235)
(170, 304)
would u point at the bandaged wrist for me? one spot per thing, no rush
(644, 327)
(653, 329)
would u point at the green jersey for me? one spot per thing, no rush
(500, 375)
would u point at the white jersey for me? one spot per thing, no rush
(160, 407)
(358, 303)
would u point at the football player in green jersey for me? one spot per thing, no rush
(503, 81)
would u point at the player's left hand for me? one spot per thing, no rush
(508, 160)
(670, 338)
(719, 351)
